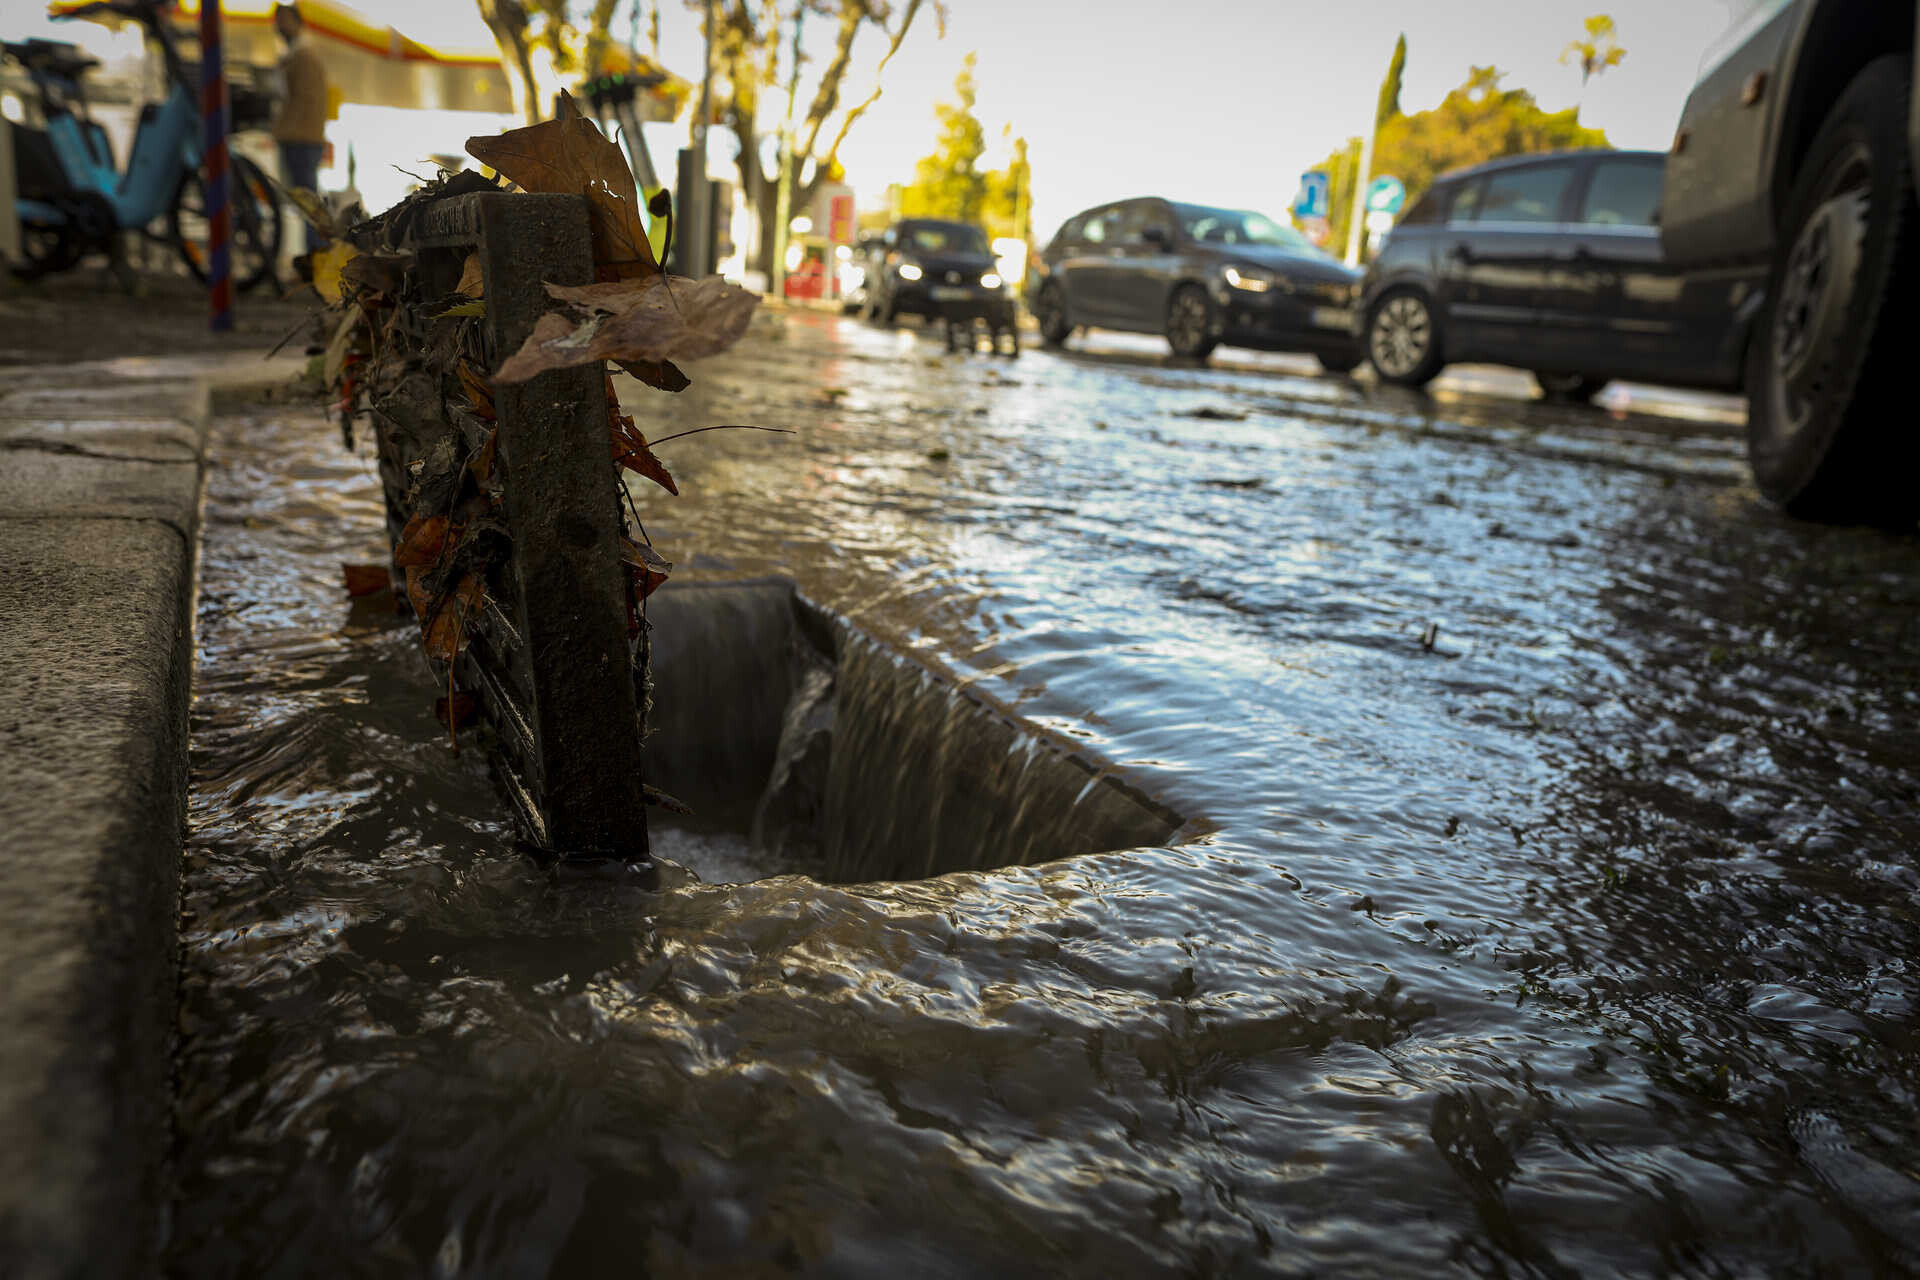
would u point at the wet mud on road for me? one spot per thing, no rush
(1553, 910)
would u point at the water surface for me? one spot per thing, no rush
(1556, 913)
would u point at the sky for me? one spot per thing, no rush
(1212, 101)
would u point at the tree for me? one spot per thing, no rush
(1475, 122)
(1389, 106)
(1009, 210)
(950, 183)
(747, 37)
(1600, 50)
(522, 45)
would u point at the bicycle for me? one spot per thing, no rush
(74, 201)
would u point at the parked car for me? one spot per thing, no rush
(1200, 276)
(1553, 263)
(1799, 152)
(936, 269)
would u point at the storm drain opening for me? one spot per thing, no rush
(782, 723)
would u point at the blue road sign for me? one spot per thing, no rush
(1311, 202)
(1386, 194)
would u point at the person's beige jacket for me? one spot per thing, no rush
(303, 114)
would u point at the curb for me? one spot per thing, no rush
(101, 474)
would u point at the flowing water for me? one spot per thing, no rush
(1547, 902)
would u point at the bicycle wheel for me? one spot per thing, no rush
(255, 248)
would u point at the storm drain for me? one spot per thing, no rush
(782, 721)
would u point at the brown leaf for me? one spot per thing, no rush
(443, 633)
(637, 321)
(630, 451)
(648, 569)
(474, 383)
(366, 579)
(376, 272)
(424, 541)
(481, 464)
(458, 711)
(472, 283)
(570, 156)
(663, 374)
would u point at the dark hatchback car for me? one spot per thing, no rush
(936, 270)
(1553, 263)
(1199, 275)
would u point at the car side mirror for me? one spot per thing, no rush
(1160, 237)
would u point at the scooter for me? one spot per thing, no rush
(74, 201)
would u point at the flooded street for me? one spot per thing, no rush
(1546, 903)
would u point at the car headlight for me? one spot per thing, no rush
(991, 280)
(1252, 279)
(909, 272)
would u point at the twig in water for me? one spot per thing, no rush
(724, 426)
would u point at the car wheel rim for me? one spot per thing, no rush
(1402, 333)
(1189, 327)
(1051, 311)
(1816, 290)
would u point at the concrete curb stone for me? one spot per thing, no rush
(101, 471)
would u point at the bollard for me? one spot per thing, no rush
(550, 662)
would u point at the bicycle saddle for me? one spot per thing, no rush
(54, 57)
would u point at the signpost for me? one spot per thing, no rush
(1386, 194)
(213, 109)
(1315, 195)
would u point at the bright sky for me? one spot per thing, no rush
(1228, 100)
(1216, 101)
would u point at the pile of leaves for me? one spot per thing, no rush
(416, 359)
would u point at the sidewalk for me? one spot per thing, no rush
(100, 480)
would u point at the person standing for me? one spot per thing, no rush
(301, 129)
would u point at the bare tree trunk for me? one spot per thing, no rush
(508, 22)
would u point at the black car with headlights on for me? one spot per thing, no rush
(1199, 275)
(937, 270)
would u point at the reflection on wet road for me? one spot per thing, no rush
(1558, 912)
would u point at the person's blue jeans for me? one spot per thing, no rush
(300, 165)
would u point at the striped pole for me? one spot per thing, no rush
(213, 109)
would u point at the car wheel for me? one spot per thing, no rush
(1834, 350)
(1050, 310)
(1345, 362)
(1572, 388)
(1193, 323)
(1403, 342)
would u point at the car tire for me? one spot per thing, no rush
(1193, 323)
(1050, 310)
(1403, 338)
(1827, 436)
(1569, 388)
(1345, 362)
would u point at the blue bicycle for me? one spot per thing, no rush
(74, 201)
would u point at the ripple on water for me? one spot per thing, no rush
(1579, 940)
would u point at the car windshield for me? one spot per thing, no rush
(1240, 226)
(941, 237)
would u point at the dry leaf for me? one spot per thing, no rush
(375, 272)
(443, 633)
(342, 343)
(472, 282)
(635, 321)
(663, 374)
(327, 264)
(481, 464)
(649, 570)
(630, 451)
(457, 712)
(475, 309)
(424, 541)
(479, 394)
(570, 156)
(366, 579)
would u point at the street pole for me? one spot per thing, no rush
(783, 197)
(697, 220)
(1358, 214)
(9, 211)
(213, 110)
